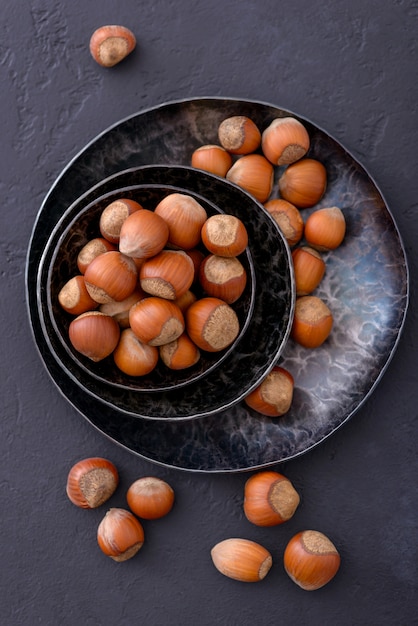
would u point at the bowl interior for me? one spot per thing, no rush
(85, 226)
(261, 344)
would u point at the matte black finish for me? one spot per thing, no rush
(349, 68)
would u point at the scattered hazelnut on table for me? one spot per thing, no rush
(270, 499)
(150, 497)
(311, 560)
(120, 534)
(242, 559)
(110, 44)
(91, 482)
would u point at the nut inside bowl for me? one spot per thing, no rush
(260, 345)
(83, 227)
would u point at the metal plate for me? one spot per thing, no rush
(366, 286)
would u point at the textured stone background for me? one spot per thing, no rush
(352, 69)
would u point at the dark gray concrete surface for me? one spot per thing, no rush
(351, 68)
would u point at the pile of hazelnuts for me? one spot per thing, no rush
(247, 156)
(157, 285)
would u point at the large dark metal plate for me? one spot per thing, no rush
(366, 286)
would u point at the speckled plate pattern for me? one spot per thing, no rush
(366, 286)
(265, 313)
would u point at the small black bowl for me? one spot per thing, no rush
(85, 226)
(267, 307)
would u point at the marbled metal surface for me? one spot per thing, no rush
(265, 313)
(366, 286)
